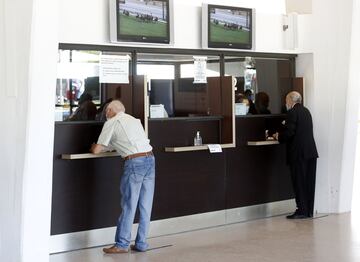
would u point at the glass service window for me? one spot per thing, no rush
(79, 95)
(262, 83)
(171, 82)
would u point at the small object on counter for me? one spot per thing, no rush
(197, 139)
(158, 111)
(214, 148)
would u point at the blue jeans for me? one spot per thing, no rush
(137, 189)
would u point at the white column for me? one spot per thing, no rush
(352, 109)
(14, 64)
(300, 7)
(334, 99)
(40, 131)
(29, 35)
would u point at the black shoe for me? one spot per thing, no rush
(296, 216)
(293, 214)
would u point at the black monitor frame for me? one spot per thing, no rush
(142, 38)
(234, 45)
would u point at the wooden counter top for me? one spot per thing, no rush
(263, 143)
(88, 155)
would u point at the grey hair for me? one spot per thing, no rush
(295, 97)
(117, 106)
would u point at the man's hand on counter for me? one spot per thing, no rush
(96, 148)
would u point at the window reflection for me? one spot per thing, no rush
(187, 70)
(77, 80)
(78, 95)
(171, 82)
(264, 82)
(153, 71)
(261, 84)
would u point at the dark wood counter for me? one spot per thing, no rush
(86, 192)
(256, 175)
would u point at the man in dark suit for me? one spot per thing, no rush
(301, 154)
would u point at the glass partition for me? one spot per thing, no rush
(171, 83)
(187, 69)
(79, 95)
(261, 83)
(153, 71)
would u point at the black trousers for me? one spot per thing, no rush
(303, 176)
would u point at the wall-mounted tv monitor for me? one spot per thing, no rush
(228, 27)
(140, 21)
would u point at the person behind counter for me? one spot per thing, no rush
(250, 96)
(262, 101)
(301, 154)
(126, 134)
(101, 112)
(86, 110)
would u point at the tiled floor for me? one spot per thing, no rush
(334, 238)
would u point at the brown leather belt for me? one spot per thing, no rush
(150, 153)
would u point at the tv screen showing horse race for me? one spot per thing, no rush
(143, 20)
(230, 26)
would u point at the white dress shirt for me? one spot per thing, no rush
(125, 134)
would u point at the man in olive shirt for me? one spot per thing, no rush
(126, 135)
(301, 154)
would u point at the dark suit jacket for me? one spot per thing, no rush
(298, 135)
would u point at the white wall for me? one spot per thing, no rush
(304, 33)
(301, 7)
(84, 21)
(14, 65)
(352, 114)
(28, 52)
(333, 97)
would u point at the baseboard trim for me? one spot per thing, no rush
(104, 236)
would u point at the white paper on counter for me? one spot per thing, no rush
(214, 148)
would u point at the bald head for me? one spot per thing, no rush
(114, 108)
(117, 106)
(292, 98)
(295, 97)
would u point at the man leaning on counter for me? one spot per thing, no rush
(126, 135)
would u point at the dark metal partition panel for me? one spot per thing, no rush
(227, 107)
(85, 192)
(256, 174)
(188, 182)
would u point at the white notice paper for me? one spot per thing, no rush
(157, 111)
(200, 70)
(214, 148)
(114, 69)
